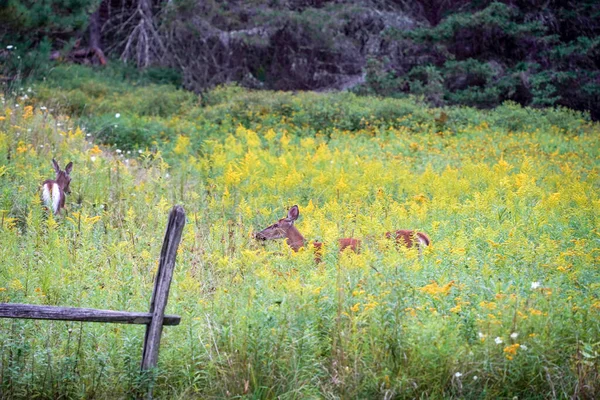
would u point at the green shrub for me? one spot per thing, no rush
(496, 52)
(149, 113)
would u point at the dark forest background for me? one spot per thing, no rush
(476, 53)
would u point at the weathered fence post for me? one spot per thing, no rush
(160, 294)
(154, 320)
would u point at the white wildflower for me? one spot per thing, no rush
(117, 115)
(498, 340)
(535, 285)
(458, 374)
(514, 335)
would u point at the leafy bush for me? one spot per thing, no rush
(149, 113)
(497, 53)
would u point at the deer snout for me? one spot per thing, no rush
(259, 236)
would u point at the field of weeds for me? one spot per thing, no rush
(504, 303)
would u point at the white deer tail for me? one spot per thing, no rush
(51, 196)
(422, 241)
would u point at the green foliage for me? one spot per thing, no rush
(379, 81)
(503, 304)
(151, 113)
(495, 22)
(26, 19)
(495, 54)
(140, 98)
(31, 27)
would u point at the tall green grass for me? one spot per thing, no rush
(505, 303)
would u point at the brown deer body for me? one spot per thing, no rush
(54, 190)
(284, 228)
(407, 237)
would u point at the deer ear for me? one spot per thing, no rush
(69, 168)
(293, 213)
(56, 166)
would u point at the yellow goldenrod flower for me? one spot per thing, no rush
(434, 289)
(27, 112)
(511, 351)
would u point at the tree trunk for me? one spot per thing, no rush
(96, 37)
(144, 44)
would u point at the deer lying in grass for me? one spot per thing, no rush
(54, 191)
(284, 228)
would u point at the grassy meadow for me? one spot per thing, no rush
(504, 304)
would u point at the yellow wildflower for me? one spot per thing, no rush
(270, 135)
(16, 285)
(490, 305)
(456, 309)
(27, 112)
(420, 198)
(22, 147)
(182, 145)
(433, 288)
(95, 150)
(232, 177)
(511, 351)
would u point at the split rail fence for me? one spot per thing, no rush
(154, 319)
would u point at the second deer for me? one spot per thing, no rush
(54, 190)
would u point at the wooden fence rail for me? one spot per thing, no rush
(32, 311)
(154, 320)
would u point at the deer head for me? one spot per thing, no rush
(284, 228)
(63, 178)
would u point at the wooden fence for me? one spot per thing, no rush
(154, 319)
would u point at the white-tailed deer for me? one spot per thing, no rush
(53, 191)
(406, 237)
(284, 228)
